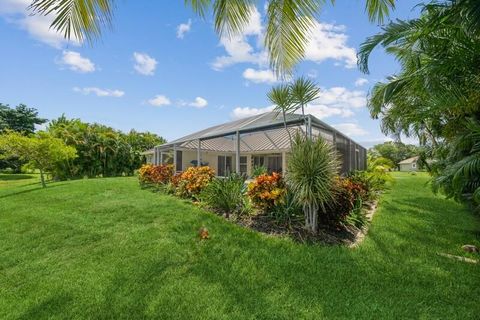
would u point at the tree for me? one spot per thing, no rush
(435, 96)
(289, 22)
(21, 119)
(312, 168)
(42, 151)
(394, 151)
(282, 98)
(303, 91)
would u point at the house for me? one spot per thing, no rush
(260, 140)
(409, 164)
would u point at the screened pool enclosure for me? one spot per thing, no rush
(261, 140)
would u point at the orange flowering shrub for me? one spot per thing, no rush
(190, 182)
(152, 174)
(266, 190)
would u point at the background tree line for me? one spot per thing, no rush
(99, 150)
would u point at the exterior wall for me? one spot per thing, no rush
(149, 158)
(407, 167)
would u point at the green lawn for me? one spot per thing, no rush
(103, 248)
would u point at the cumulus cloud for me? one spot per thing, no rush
(183, 28)
(260, 76)
(199, 102)
(75, 62)
(100, 92)
(159, 100)
(326, 42)
(38, 26)
(144, 64)
(335, 101)
(350, 129)
(360, 82)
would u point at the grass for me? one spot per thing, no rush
(103, 248)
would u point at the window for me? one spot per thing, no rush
(224, 166)
(274, 164)
(414, 165)
(179, 163)
(243, 165)
(258, 161)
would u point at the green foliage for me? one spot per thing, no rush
(102, 151)
(21, 119)
(312, 168)
(357, 217)
(390, 153)
(41, 151)
(226, 195)
(258, 171)
(286, 211)
(267, 190)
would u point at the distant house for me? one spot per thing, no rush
(261, 140)
(409, 164)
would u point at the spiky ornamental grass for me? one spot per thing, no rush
(312, 167)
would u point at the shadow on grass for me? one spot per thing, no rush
(12, 177)
(31, 190)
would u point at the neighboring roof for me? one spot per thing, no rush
(409, 160)
(248, 127)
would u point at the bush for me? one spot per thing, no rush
(192, 181)
(152, 174)
(347, 193)
(286, 210)
(357, 216)
(258, 171)
(226, 195)
(266, 191)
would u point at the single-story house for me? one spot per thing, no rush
(409, 164)
(260, 140)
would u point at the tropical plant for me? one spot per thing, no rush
(303, 91)
(266, 191)
(312, 168)
(289, 23)
(41, 151)
(155, 174)
(192, 181)
(282, 98)
(357, 216)
(286, 211)
(226, 195)
(435, 96)
(259, 170)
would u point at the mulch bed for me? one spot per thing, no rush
(346, 235)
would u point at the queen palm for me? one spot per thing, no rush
(289, 22)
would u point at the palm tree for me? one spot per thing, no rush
(303, 91)
(289, 22)
(282, 98)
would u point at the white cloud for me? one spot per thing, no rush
(76, 62)
(100, 92)
(159, 100)
(326, 42)
(312, 74)
(239, 112)
(360, 82)
(38, 26)
(260, 76)
(350, 129)
(335, 101)
(144, 64)
(199, 103)
(183, 28)
(329, 41)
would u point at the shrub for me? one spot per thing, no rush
(357, 217)
(312, 168)
(258, 171)
(152, 174)
(286, 210)
(192, 181)
(267, 190)
(226, 195)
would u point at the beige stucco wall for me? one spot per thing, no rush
(407, 167)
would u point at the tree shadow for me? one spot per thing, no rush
(13, 177)
(48, 308)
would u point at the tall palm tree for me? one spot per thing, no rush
(303, 91)
(289, 22)
(281, 96)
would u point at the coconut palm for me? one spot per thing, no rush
(281, 97)
(312, 168)
(303, 91)
(289, 22)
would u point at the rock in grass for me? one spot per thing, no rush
(470, 248)
(203, 233)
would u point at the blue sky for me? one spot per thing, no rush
(163, 69)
